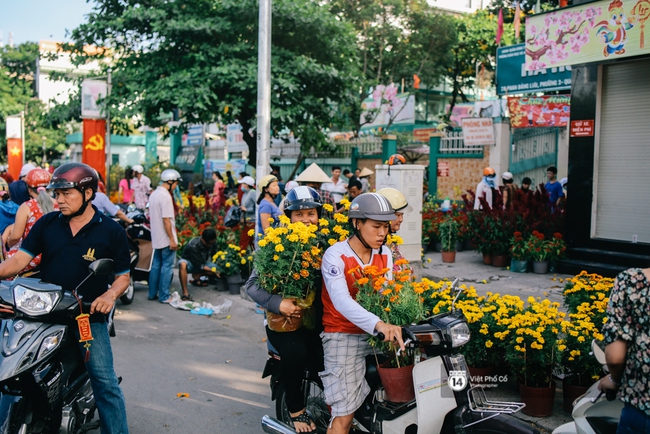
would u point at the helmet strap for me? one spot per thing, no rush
(357, 234)
(84, 205)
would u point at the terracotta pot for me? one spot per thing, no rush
(397, 382)
(281, 323)
(500, 260)
(448, 256)
(571, 393)
(540, 267)
(487, 259)
(564, 3)
(538, 400)
(480, 375)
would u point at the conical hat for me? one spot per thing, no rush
(365, 172)
(313, 174)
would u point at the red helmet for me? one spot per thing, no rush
(74, 175)
(396, 159)
(37, 178)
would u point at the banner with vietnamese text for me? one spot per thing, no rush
(93, 145)
(539, 111)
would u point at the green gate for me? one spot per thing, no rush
(532, 151)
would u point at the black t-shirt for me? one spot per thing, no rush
(198, 253)
(65, 259)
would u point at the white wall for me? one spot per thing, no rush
(458, 5)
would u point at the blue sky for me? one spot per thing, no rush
(33, 20)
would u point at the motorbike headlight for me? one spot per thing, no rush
(49, 344)
(35, 303)
(459, 334)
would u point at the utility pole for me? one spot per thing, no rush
(107, 141)
(44, 142)
(263, 92)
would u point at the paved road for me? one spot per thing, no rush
(160, 351)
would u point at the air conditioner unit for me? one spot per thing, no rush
(408, 179)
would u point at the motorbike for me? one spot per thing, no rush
(445, 400)
(44, 386)
(139, 239)
(595, 412)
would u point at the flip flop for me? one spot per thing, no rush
(198, 283)
(187, 298)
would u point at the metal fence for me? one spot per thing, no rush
(452, 143)
(341, 148)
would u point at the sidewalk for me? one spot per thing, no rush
(470, 269)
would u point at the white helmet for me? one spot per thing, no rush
(138, 168)
(170, 175)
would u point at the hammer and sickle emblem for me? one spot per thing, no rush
(95, 143)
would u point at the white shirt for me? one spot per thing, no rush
(338, 189)
(483, 189)
(161, 206)
(334, 272)
(104, 204)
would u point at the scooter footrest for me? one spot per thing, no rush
(479, 402)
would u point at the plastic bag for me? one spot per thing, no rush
(280, 323)
(233, 217)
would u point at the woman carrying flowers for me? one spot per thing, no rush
(401, 206)
(345, 322)
(268, 212)
(301, 348)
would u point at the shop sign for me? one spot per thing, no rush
(478, 131)
(540, 111)
(582, 128)
(512, 76)
(597, 31)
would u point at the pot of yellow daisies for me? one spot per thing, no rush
(228, 265)
(288, 263)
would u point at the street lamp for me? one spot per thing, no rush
(44, 141)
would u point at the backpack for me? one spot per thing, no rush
(233, 217)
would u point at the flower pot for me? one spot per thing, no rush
(540, 267)
(437, 247)
(517, 266)
(571, 393)
(397, 382)
(500, 260)
(222, 285)
(481, 375)
(538, 400)
(460, 246)
(281, 323)
(487, 259)
(448, 256)
(234, 283)
(467, 245)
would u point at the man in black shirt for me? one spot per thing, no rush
(196, 260)
(69, 240)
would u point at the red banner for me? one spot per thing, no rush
(93, 145)
(14, 157)
(539, 111)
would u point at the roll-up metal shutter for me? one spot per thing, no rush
(621, 206)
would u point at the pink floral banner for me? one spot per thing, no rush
(591, 32)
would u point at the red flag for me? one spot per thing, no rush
(416, 81)
(93, 150)
(15, 156)
(500, 28)
(517, 21)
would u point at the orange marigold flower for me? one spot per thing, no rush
(352, 271)
(363, 281)
(304, 273)
(398, 287)
(393, 299)
(386, 291)
(306, 256)
(401, 262)
(296, 276)
(305, 264)
(387, 309)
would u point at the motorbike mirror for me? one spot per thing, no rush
(101, 266)
(598, 352)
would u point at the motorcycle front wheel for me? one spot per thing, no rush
(315, 404)
(129, 294)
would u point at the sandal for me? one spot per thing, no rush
(187, 298)
(199, 283)
(303, 418)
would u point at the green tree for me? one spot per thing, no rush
(395, 40)
(475, 49)
(201, 57)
